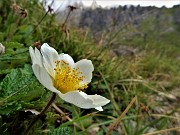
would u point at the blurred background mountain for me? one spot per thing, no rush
(123, 26)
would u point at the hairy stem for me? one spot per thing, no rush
(40, 115)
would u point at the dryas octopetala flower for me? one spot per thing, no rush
(61, 75)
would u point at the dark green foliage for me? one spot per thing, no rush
(20, 89)
(60, 131)
(16, 55)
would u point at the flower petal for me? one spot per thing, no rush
(83, 100)
(50, 55)
(99, 108)
(36, 56)
(67, 58)
(32, 54)
(44, 78)
(86, 67)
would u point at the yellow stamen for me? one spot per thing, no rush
(67, 79)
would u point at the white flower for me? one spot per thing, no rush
(2, 49)
(61, 75)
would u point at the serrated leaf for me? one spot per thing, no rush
(20, 89)
(11, 107)
(14, 81)
(60, 131)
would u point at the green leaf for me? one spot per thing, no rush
(15, 81)
(20, 89)
(15, 55)
(11, 47)
(1, 36)
(25, 29)
(11, 107)
(60, 131)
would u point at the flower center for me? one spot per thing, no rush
(67, 79)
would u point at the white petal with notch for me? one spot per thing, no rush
(83, 100)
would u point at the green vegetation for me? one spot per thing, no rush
(152, 75)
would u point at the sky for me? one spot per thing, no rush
(110, 3)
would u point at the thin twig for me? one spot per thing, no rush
(162, 131)
(41, 20)
(40, 115)
(121, 116)
(66, 18)
(63, 114)
(49, 10)
(71, 8)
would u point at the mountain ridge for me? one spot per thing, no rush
(126, 25)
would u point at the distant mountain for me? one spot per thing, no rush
(101, 19)
(129, 24)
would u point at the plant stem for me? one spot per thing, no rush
(40, 115)
(163, 131)
(40, 21)
(121, 116)
(49, 10)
